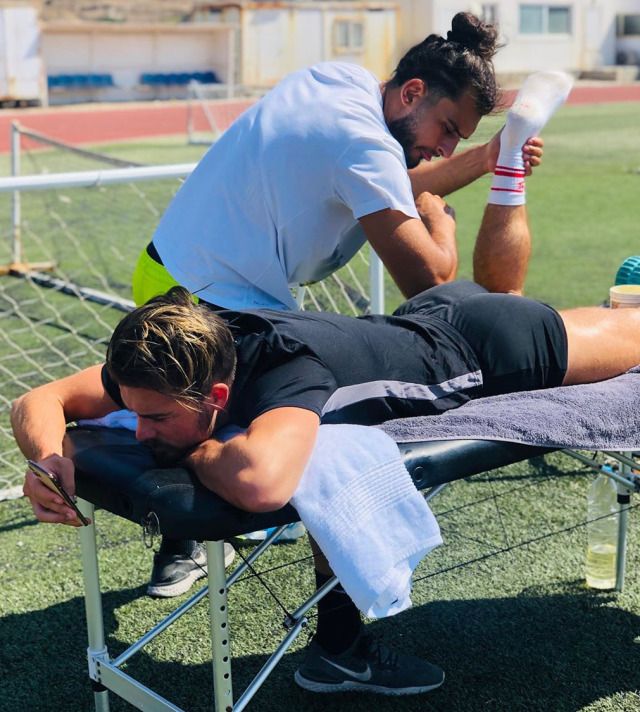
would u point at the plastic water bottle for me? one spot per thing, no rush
(602, 534)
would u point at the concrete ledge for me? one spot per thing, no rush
(620, 74)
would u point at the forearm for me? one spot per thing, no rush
(441, 263)
(39, 419)
(259, 470)
(448, 247)
(446, 175)
(222, 468)
(420, 262)
(39, 425)
(230, 471)
(418, 252)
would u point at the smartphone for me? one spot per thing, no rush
(52, 482)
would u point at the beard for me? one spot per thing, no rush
(166, 455)
(404, 132)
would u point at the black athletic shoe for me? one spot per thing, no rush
(173, 574)
(367, 666)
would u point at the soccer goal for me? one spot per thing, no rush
(70, 233)
(202, 128)
(72, 224)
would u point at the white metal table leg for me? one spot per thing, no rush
(97, 649)
(218, 611)
(624, 499)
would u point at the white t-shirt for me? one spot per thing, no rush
(275, 201)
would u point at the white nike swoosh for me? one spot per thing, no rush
(362, 676)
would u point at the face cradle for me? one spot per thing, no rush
(166, 425)
(433, 128)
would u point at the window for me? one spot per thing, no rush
(531, 19)
(545, 19)
(348, 36)
(628, 25)
(559, 21)
(489, 13)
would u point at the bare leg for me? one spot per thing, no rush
(503, 247)
(602, 343)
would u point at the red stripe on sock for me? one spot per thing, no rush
(511, 170)
(519, 189)
(508, 173)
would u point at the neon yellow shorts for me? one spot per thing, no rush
(149, 279)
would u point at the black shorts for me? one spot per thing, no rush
(520, 344)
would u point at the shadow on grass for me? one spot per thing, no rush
(18, 522)
(555, 652)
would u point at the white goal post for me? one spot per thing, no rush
(68, 245)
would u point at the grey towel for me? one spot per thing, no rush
(594, 416)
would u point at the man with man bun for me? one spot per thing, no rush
(318, 166)
(329, 159)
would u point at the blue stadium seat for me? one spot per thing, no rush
(151, 79)
(178, 78)
(101, 81)
(80, 81)
(209, 78)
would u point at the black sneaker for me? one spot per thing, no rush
(367, 666)
(173, 574)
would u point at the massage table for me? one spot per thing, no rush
(118, 474)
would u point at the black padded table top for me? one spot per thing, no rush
(116, 473)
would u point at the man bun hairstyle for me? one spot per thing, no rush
(470, 32)
(173, 346)
(461, 62)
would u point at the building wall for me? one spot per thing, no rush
(128, 51)
(591, 42)
(280, 38)
(21, 68)
(255, 44)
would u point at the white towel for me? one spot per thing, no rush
(359, 503)
(126, 419)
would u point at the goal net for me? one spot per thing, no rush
(202, 127)
(77, 250)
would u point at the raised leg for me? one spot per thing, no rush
(503, 246)
(502, 250)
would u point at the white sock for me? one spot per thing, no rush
(541, 94)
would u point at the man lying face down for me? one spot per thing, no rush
(186, 371)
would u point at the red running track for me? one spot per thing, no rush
(103, 123)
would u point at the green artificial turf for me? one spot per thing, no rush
(510, 621)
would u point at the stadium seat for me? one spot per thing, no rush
(80, 81)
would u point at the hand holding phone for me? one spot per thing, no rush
(53, 483)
